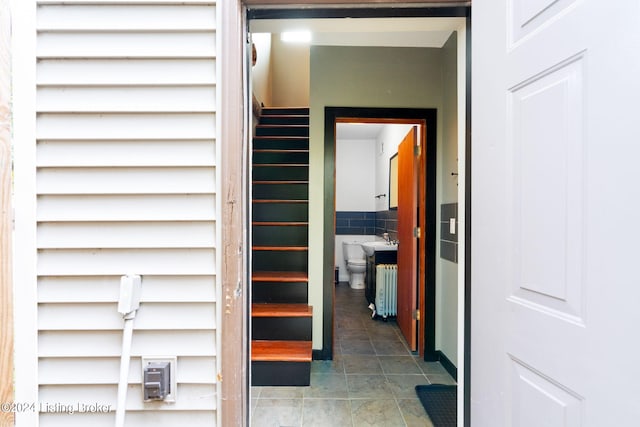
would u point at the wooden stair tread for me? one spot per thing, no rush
(280, 276)
(280, 182)
(280, 150)
(269, 125)
(280, 248)
(279, 114)
(291, 107)
(280, 310)
(281, 351)
(279, 165)
(280, 223)
(282, 137)
(280, 201)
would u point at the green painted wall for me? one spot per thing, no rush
(447, 188)
(360, 77)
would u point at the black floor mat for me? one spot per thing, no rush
(441, 403)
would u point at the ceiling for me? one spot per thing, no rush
(385, 32)
(358, 130)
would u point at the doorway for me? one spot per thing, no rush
(326, 273)
(425, 120)
(369, 200)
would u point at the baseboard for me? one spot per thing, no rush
(321, 355)
(447, 365)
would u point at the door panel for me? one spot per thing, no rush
(553, 154)
(408, 247)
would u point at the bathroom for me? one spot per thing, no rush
(363, 208)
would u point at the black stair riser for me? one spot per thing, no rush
(282, 130)
(282, 212)
(281, 143)
(296, 374)
(293, 191)
(284, 120)
(279, 292)
(280, 260)
(265, 157)
(296, 111)
(281, 328)
(290, 235)
(281, 173)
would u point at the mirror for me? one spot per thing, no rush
(393, 182)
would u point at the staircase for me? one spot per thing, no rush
(280, 317)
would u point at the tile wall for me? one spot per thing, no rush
(367, 223)
(448, 240)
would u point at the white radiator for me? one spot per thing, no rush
(386, 290)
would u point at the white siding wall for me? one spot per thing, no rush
(126, 183)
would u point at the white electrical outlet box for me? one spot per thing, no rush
(130, 288)
(172, 395)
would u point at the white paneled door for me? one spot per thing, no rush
(555, 209)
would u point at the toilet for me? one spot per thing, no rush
(354, 259)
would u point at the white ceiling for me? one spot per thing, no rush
(358, 130)
(387, 32)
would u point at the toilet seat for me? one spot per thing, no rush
(356, 261)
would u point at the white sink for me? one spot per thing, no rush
(371, 247)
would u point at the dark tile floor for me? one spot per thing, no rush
(370, 382)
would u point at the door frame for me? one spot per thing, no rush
(426, 118)
(237, 15)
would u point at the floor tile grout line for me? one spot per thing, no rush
(395, 398)
(353, 422)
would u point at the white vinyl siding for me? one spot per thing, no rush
(126, 183)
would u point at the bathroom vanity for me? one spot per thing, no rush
(389, 256)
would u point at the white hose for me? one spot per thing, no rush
(123, 384)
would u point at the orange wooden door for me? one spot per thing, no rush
(408, 168)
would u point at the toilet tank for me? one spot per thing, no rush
(352, 250)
